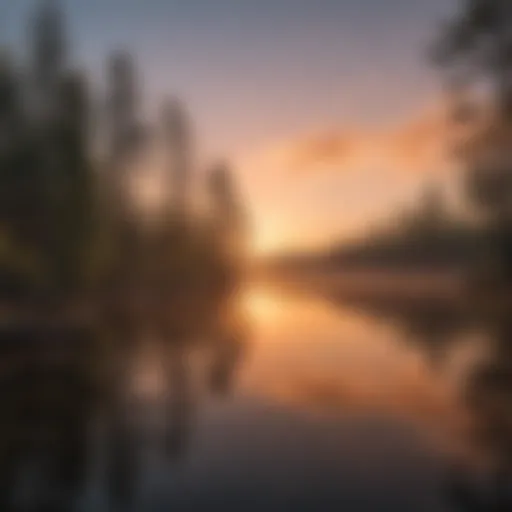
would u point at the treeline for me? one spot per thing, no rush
(46, 170)
(426, 237)
(68, 152)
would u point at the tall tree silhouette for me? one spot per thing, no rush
(74, 210)
(49, 53)
(178, 141)
(122, 119)
(478, 43)
(123, 105)
(477, 47)
(20, 180)
(228, 216)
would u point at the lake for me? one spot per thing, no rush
(278, 400)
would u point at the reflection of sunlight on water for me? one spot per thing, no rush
(261, 305)
(274, 310)
(321, 358)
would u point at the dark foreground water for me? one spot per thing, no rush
(271, 402)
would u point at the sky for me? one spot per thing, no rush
(328, 110)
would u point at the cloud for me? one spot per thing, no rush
(418, 144)
(421, 143)
(323, 149)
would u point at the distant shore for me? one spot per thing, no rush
(380, 282)
(415, 288)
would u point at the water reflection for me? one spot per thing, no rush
(334, 399)
(485, 391)
(86, 414)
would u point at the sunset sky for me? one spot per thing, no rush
(328, 109)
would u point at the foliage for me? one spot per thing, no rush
(474, 49)
(67, 225)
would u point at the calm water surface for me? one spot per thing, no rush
(279, 402)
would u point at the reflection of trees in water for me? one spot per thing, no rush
(465, 493)
(431, 325)
(208, 328)
(45, 405)
(489, 394)
(487, 390)
(70, 425)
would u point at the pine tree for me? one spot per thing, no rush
(476, 47)
(228, 217)
(122, 109)
(178, 141)
(49, 54)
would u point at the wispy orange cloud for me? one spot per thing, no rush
(418, 144)
(421, 143)
(323, 149)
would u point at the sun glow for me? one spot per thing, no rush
(262, 305)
